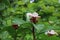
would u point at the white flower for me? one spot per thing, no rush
(29, 15)
(52, 32)
(31, 1)
(34, 14)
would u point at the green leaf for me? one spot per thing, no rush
(5, 36)
(9, 22)
(25, 1)
(29, 37)
(2, 6)
(39, 27)
(18, 21)
(20, 3)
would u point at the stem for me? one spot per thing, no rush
(33, 31)
(15, 36)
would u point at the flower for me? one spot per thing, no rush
(33, 17)
(51, 32)
(15, 26)
(31, 1)
(28, 16)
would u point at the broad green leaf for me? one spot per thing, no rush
(18, 21)
(9, 22)
(29, 37)
(39, 27)
(2, 6)
(5, 36)
(20, 3)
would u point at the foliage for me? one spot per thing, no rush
(14, 11)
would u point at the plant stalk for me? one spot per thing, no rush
(15, 36)
(33, 31)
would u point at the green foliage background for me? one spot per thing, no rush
(14, 11)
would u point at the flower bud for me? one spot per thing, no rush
(15, 26)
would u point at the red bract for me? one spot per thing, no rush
(34, 20)
(15, 26)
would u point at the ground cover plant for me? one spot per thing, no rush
(29, 19)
